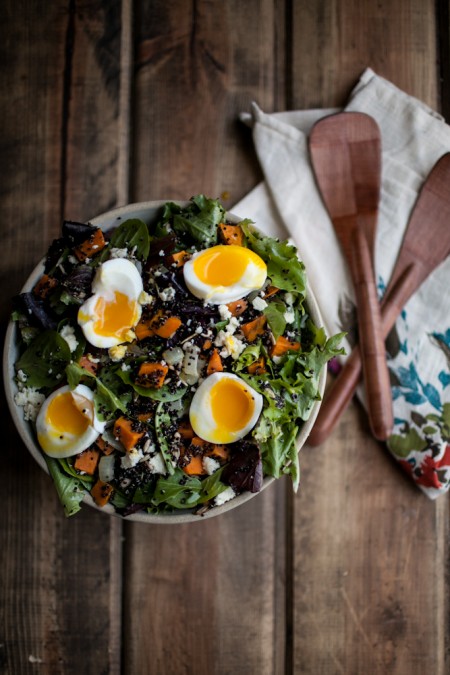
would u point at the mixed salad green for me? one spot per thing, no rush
(268, 339)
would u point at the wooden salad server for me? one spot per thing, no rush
(345, 150)
(426, 244)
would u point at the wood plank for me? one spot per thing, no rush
(366, 541)
(210, 596)
(340, 38)
(60, 591)
(193, 78)
(95, 137)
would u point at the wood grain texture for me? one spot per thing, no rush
(341, 38)
(369, 583)
(210, 596)
(92, 112)
(367, 543)
(348, 576)
(418, 257)
(345, 151)
(197, 67)
(60, 581)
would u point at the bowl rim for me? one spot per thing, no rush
(25, 429)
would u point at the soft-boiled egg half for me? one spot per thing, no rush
(66, 423)
(108, 317)
(224, 273)
(224, 408)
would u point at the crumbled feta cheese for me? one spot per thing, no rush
(131, 458)
(231, 345)
(145, 298)
(167, 294)
(157, 464)
(289, 298)
(68, 333)
(117, 353)
(149, 446)
(289, 316)
(21, 376)
(210, 465)
(224, 496)
(224, 312)
(118, 253)
(31, 400)
(259, 304)
(72, 260)
(125, 367)
(161, 253)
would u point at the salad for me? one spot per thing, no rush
(168, 366)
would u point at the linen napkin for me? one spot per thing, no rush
(288, 204)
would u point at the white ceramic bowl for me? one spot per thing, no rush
(148, 212)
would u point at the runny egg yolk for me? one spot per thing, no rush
(232, 407)
(225, 265)
(115, 317)
(63, 415)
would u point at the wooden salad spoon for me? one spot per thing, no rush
(345, 150)
(426, 244)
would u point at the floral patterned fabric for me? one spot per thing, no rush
(288, 204)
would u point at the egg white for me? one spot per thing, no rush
(116, 275)
(252, 278)
(201, 412)
(59, 442)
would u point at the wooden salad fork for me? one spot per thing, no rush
(345, 150)
(426, 244)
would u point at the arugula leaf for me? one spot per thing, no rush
(44, 360)
(178, 490)
(133, 235)
(212, 486)
(284, 268)
(184, 492)
(106, 402)
(144, 493)
(69, 489)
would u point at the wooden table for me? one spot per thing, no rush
(105, 103)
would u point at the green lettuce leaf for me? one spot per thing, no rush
(284, 268)
(69, 489)
(199, 219)
(288, 401)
